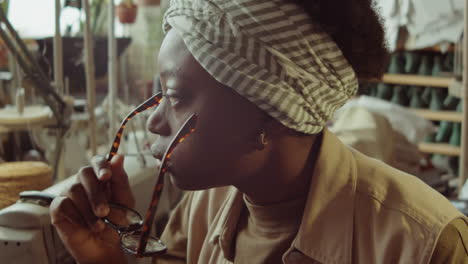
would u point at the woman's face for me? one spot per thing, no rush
(222, 151)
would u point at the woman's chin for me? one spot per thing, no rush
(186, 184)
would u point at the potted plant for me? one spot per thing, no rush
(126, 12)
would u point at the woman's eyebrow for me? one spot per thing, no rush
(169, 82)
(170, 72)
(174, 73)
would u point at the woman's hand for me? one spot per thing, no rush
(76, 213)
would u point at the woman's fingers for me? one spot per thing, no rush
(79, 197)
(77, 214)
(66, 217)
(95, 191)
(112, 172)
(85, 244)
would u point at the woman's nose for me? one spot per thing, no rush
(157, 122)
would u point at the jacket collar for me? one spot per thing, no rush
(326, 229)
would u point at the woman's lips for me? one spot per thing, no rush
(158, 154)
(159, 163)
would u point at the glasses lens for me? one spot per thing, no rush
(123, 218)
(154, 246)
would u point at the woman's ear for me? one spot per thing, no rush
(270, 129)
(261, 141)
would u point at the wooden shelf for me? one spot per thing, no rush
(440, 148)
(451, 116)
(417, 80)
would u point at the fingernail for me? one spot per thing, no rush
(102, 210)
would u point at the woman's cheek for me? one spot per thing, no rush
(185, 155)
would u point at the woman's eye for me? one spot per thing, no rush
(173, 97)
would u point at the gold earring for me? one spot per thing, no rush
(262, 140)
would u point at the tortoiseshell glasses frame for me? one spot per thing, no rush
(135, 237)
(155, 100)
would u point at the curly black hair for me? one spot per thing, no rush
(357, 29)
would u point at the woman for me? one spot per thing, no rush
(270, 184)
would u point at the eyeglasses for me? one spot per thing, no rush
(134, 233)
(139, 242)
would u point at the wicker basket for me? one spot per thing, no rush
(16, 177)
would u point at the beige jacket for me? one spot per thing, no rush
(359, 210)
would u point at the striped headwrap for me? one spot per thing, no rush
(270, 52)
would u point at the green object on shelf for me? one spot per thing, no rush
(426, 95)
(444, 132)
(449, 62)
(412, 62)
(426, 65)
(384, 91)
(400, 95)
(425, 69)
(409, 63)
(397, 65)
(415, 94)
(451, 102)
(435, 95)
(437, 99)
(455, 138)
(416, 63)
